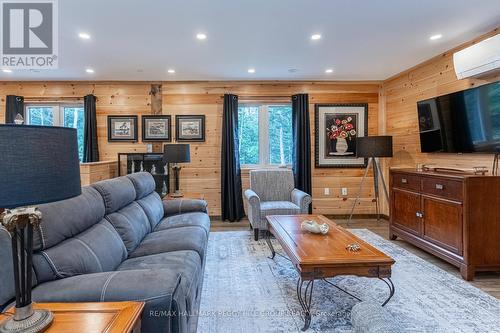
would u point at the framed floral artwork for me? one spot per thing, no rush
(336, 128)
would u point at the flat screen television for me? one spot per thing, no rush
(467, 121)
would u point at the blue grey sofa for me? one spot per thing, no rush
(118, 241)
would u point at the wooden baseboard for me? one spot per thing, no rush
(357, 216)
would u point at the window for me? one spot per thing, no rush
(265, 134)
(71, 115)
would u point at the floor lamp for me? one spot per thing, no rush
(373, 147)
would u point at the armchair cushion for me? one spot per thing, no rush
(181, 206)
(278, 208)
(253, 207)
(272, 184)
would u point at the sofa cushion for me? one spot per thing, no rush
(153, 207)
(278, 208)
(184, 220)
(116, 192)
(64, 219)
(143, 182)
(176, 239)
(97, 249)
(7, 291)
(132, 224)
(159, 289)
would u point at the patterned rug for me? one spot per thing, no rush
(244, 291)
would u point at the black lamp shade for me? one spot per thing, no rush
(38, 164)
(374, 146)
(176, 153)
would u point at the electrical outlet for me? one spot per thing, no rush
(327, 191)
(344, 191)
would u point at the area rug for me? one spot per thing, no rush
(244, 291)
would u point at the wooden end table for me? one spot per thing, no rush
(317, 256)
(109, 317)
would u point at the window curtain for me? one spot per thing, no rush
(14, 105)
(90, 148)
(231, 196)
(301, 143)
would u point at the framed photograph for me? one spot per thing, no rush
(156, 128)
(336, 128)
(122, 128)
(190, 128)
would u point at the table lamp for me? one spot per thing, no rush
(373, 147)
(176, 153)
(38, 165)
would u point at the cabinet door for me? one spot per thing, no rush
(405, 211)
(443, 223)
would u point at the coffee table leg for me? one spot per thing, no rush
(268, 241)
(305, 300)
(392, 289)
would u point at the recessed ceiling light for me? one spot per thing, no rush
(89, 70)
(435, 37)
(315, 36)
(84, 35)
(171, 71)
(201, 36)
(7, 70)
(251, 70)
(329, 70)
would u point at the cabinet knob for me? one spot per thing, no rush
(439, 187)
(404, 180)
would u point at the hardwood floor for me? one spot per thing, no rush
(486, 281)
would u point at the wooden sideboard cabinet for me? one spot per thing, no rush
(453, 216)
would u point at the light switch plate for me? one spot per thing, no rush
(327, 191)
(149, 148)
(344, 191)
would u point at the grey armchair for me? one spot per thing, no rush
(272, 192)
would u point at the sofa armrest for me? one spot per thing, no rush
(181, 206)
(301, 199)
(253, 206)
(160, 289)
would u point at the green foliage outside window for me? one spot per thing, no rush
(280, 134)
(248, 134)
(74, 117)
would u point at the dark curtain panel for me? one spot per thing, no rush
(90, 148)
(301, 143)
(13, 105)
(231, 197)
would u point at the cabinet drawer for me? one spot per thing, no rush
(445, 188)
(404, 181)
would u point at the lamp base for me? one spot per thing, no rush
(37, 322)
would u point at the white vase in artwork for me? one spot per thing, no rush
(132, 167)
(153, 170)
(341, 146)
(142, 167)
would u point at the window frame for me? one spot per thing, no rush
(58, 110)
(264, 158)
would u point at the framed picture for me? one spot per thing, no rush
(336, 128)
(122, 128)
(156, 128)
(190, 128)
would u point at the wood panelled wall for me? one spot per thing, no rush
(112, 99)
(202, 175)
(430, 79)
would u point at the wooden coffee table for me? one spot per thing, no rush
(317, 256)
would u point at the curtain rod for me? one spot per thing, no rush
(52, 99)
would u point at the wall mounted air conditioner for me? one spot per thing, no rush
(477, 60)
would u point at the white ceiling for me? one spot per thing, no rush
(361, 39)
